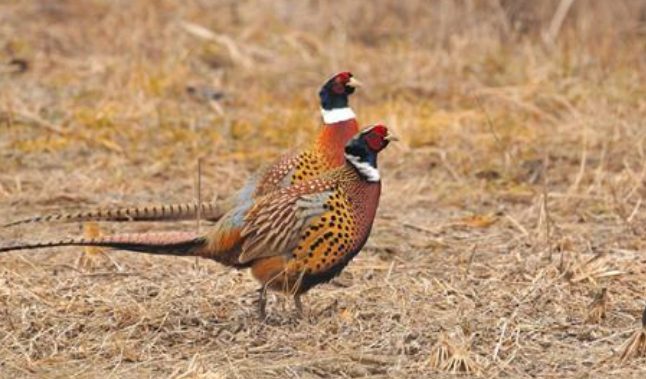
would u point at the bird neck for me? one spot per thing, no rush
(365, 167)
(362, 194)
(337, 114)
(333, 137)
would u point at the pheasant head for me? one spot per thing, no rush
(334, 97)
(361, 152)
(339, 121)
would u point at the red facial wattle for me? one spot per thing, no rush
(376, 138)
(381, 130)
(340, 82)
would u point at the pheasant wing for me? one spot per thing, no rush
(274, 226)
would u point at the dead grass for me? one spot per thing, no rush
(512, 204)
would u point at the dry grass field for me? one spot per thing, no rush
(511, 233)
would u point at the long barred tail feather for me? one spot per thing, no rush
(172, 212)
(169, 243)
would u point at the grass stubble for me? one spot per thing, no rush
(509, 239)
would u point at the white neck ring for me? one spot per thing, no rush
(337, 115)
(367, 170)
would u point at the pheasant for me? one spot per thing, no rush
(292, 239)
(340, 125)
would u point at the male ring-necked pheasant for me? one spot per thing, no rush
(293, 238)
(339, 126)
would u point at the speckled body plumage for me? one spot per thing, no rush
(324, 223)
(293, 168)
(292, 238)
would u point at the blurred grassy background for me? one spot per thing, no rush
(523, 141)
(111, 76)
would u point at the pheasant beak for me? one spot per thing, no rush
(391, 138)
(354, 83)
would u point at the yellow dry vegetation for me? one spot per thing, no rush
(513, 200)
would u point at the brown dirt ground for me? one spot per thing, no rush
(514, 199)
